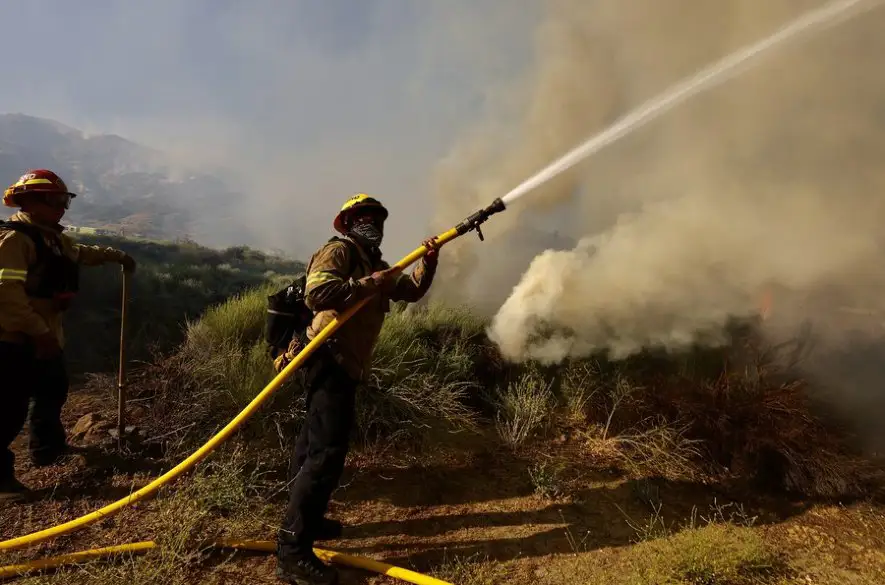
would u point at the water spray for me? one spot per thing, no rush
(701, 81)
(652, 109)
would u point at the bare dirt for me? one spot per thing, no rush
(474, 516)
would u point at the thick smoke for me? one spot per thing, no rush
(674, 273)
(769, 183)
(571, 90)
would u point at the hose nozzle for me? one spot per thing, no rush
(480, 217)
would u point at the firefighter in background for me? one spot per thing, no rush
(39, 274)
(344, 271)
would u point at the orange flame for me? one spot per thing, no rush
(766, 303)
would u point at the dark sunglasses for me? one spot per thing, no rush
(374, 217)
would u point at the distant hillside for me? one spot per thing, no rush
(122, 186)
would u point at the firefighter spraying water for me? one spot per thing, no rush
(701, 81)
(326, 281)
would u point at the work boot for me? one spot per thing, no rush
(305, 569)
(330, 529)
(51, 456)
(12, 491)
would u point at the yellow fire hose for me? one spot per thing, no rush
(251, 545)
(472, 223)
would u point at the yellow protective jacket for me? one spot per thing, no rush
(23, 316)
(332, 286)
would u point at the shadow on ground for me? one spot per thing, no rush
(483, 477)
(592, 518)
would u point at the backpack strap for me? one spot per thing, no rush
(32, 232)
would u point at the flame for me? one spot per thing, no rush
(766, 303)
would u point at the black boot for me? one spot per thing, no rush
(305, 569)
(49, 456)
(12, 491)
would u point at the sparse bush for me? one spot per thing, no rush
(738, 410)
(471, 570)
(524, 408)
(546, 477)
(758, 423)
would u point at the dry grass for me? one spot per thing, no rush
(712, 550)
(688, 416)
(219, 499)
(699, 415)
(524, 407)
(472, 570)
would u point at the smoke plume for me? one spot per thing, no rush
(771, 183)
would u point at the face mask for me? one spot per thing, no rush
(368, 234)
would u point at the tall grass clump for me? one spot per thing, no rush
(424, 377)
(741, 411)
(524, 407)
(218, 369)
(424, 380)
(239, 321)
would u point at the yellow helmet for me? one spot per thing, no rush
(358, 201)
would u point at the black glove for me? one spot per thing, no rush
(128, 263)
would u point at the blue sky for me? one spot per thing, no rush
(312, 98)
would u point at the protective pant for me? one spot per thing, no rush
(26, 380)
(318, 456)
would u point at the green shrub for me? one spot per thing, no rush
(175, 283)
(423, 378)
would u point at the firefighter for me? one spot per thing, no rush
(39, 273)
(344, 271)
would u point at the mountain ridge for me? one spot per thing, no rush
(121, 185)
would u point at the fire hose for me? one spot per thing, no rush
(650, 110)
(247, 545)
(471, 223)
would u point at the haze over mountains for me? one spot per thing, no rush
(121, 185)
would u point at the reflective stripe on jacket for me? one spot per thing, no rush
(332, 286)
(21, 316)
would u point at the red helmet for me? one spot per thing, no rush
(35, 181)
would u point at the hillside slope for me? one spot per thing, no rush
(120, 185)
(673, 470)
